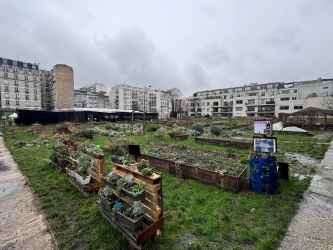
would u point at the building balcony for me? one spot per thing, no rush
(270, 103)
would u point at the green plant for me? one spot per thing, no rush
(152, 127)
(147, 171)
(61, 148)
(88, 133)
(127, 159)
(137, 189)
(113, 177)
(179, 162)
(121, 183)
(19, 144)
(198, 127)
(117, 146)
(143, 163)
(108, 194)
(215, 130)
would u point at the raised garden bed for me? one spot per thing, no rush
(278, 132)
(190, 163)
(222, 142)
(179, 137)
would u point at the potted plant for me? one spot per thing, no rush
(81, 174)
(142, 164)
(131, 217)
(147, 171)
(116, 159)
(127, 160)
(127, 186)
(108, 198)
(112, 179)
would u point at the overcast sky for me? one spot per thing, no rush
(194, 45)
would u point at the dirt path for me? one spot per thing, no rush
(312, 226)
(22, 225)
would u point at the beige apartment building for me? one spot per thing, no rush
(25, 85)
(20, 85)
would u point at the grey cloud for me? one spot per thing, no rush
(196, 47)
(213, 55)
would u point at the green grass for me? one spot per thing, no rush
(196, 216)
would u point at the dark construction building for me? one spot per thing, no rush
(29, 116)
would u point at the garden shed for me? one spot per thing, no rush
(309, 118)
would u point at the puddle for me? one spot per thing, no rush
(7, 188)
(302, 158)
(301, 165)
(3, 167)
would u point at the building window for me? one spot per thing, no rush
(251, 101)
(16, 90)
(34, 72)
(15, 69)
(25, 71)
(26, 84)
(5, 75)
(36, 98)
(17, 96)
(285, 99)
(207, 109)
(27, 97)
(35, 84)
(298, 107)
(239, 102)
(27, 91)
(5, 68)
(224, 97)
(294, 98)
(325, 87)
(35, 79)
(6, 89)
(7, 102)
(284, 107)
(208, 104)
(239, 108)
(262, 101)
(262, 93)
(17, 103)
(285, 91)
(15, 83)
(238, 95)
(15, 76)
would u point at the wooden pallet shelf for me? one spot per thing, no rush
(152, 207)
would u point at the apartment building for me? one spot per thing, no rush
(260, 100)
(248, 100)
(96, 87)
(20, 85)
(147, 99)
(84, 98)
(25, 85)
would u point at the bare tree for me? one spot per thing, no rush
(327, 101)
(186, 105)
(174, 94)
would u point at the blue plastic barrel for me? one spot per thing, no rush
(263, 175)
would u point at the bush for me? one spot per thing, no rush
(237, 132)
(88, 133)
(111, 126)
(118, 146)
(215, 130)
(198, 127)
(194, 132)
(152, 127)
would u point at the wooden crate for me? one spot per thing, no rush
(152, 207)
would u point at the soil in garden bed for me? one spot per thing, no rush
(202, 158)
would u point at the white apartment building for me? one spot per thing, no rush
(20, 85)
(259, 100)
(90, 99)
(96, 87)
(147, 99)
